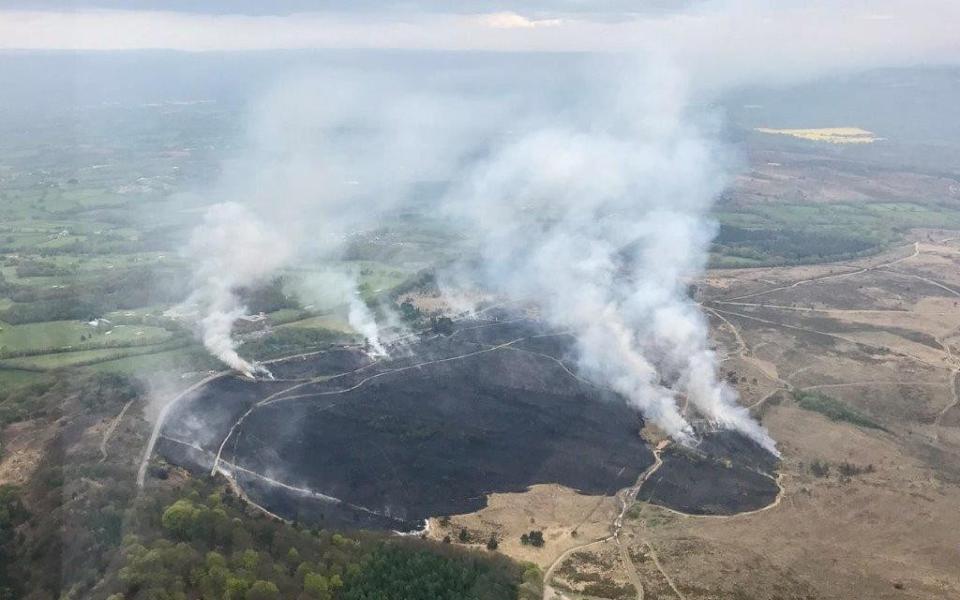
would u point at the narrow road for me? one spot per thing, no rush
(829, 386)
(626, 497)
(628, 565)
(762, 400)
(781, 493)
(747, 356)
(550, 592)
(630, 568)
(954, 380)
(656, 562)
(273, 398)
(952, 360)
(113, 427)
(954, 383)
(744, 349)
(825, 333)
(228, 470)
(932, 282)
(857, 271)
(885, 311)
(162, 417)
(562, 365)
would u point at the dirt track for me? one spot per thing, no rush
(626, 497)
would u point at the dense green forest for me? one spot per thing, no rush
(80, 528)
(203, 541)
(785, 246)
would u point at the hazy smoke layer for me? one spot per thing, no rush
(599, 213)
(327, 154)
(230, 249)
(333, 287)
(591, 200)
(361, 319)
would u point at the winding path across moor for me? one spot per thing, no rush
(714, 307)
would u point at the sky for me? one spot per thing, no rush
(912, 29)
(612, 9)
(719, 43)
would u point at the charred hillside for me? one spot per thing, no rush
(341, 440)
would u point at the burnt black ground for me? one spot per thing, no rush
(399, 440)
(726, 474)
(437, 439)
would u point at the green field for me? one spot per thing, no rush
(61, 335)
(332, 322)
(286, 315)
(188, 359)
(789, 234)
(11, 378)
(62, 360)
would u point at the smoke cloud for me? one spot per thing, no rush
(333, 287)
(600, 215)
(327, 156)
(230, 249)
(592, 203)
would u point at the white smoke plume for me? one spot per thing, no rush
(331, 288)
(326, 157)
(362, 320)
(599, 212)
(230, 249)
(234, 249)
(592, 203)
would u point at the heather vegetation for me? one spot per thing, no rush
(833, 409)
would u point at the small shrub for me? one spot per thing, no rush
(850, 470)
(820, 468)
(834, 410)
(534, 538)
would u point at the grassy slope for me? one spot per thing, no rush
(57, 335)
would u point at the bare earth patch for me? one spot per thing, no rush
(23, 446)
(553, 509)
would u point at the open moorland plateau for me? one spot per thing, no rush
(833, 300)
(850, 365)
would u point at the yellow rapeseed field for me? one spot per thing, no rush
(833, 135)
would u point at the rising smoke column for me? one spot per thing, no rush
(333, 287)
(592, 201)
(233, 248)
(600, 214)
(361, 319)
(327, 155)
(230, 249)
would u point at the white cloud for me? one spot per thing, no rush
(719, 42)
(511, 20)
